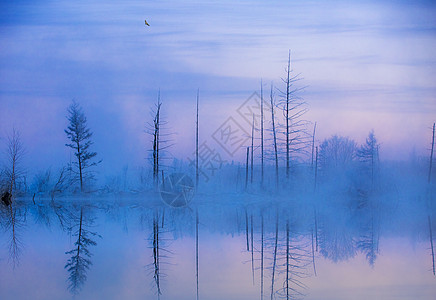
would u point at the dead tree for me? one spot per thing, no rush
(246, 168)
(252, 150)
(261, 131)
(313, 145)
(196, 142)
(156, 125)
(293, 110)
(274, 136)
(431, 155)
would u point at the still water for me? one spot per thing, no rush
(216, 248)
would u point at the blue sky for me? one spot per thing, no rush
(365, 64)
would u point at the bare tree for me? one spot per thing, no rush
(156, 125)
(261, 130)
(313, 144)
(337, 153)
(431, 155)
(274, 135)
(13, 169)
(293, 109)
(196, 142)
(252, 150)
(161, 141)
(80, 136)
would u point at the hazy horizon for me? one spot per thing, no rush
(365, 65)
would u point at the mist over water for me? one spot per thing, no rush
(217, 150)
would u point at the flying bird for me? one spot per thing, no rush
(146, 23)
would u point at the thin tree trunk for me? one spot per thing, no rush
(313, 255)
(252, 149)
(246, 168)
(246, 230)
(287, 114)
(274, 136)
(196, 142)
(252, 248)
(316, 168)
(431, 155)
(79, 157)
(261, 130)
(313, 145)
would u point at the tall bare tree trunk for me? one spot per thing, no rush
(196, 143)
(313, 145)
(274, 136)
(431, 155)
(261, 130)
(287, 113)
(252, 150)
(246, 168)
(246, 230)
(316, 168)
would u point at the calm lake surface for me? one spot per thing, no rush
(240, 248)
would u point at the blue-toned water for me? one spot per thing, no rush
(141, 248)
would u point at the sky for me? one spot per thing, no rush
(363, 65)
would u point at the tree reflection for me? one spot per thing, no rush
(80, 260)
(13, 219)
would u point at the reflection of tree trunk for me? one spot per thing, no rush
(313, 255)
(80, 261)
(287, 260)
(196, 249)
(316, 229)
(246, 230)
(275, 256)
(156, 264)
(261, 261)
(252, 248)
(246, 168)
(431, 244)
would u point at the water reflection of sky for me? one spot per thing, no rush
(123, 254)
